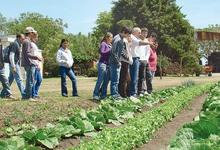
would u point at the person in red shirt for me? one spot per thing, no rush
(152, 67)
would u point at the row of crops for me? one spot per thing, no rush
(133, 131)
(204, 132)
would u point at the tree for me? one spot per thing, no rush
(3, 25)
(103, 24)
(176, 35)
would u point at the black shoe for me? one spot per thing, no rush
(75, 96)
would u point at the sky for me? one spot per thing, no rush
(80, 15)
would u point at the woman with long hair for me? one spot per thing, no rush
(65, 61)
(100, 91)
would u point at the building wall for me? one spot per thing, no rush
(214, 60)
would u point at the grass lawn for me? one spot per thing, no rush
(52, 105)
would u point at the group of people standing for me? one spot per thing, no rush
(128, 60)
(22, 52)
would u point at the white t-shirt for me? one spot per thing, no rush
(35, 51)
(144, 52)
(134, 46)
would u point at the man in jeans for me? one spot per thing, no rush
(134, 68)
(14, 63)
(28, 62)
(115, 64)
(6, 92)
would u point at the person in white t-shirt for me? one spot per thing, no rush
(135, 52)
(65, 61)
(144, 52)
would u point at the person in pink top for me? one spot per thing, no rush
(152, 66)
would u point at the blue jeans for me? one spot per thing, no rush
(134, 69)
(37, 82)
(114, 75)
(30, 70)
(68, 72)
(17, 76)
(102, 81)
(6, 89)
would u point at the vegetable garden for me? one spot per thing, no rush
(125, 124)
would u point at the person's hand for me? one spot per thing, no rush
(39, 58)
(151, 43)
(14, 69)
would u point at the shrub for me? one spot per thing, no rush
(92, 72)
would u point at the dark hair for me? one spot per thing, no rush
(126, 30)
(19, 35)
(144, 30)
(153, 34)
(62, 41)
(107, 35)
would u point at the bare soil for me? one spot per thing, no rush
(163, 136)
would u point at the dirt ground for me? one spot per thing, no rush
(52, 105)
(163, 136)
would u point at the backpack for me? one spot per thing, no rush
(6, 53)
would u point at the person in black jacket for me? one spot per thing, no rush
(6, 92)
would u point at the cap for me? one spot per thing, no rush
(30, 29)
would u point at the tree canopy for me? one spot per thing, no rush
(175, 34)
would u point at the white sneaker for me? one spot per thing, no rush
(133, 98)
(95, 98)
(146, 93)
(141, 95)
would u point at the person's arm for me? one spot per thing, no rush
(145, 43)
(12, 59)
(124, 53)
(1, 57)
(59, 59)
(114, 52)
(104, 48)
(27, 49)
(148, 51)
(13, 49)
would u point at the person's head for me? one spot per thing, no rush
(20, 37)
(34, 38)
(129, 38)
(136, 32)
(144, 32)
(29, 32)
(64, 43)
(125, 31)
(155, 45)
(108, 37)
(153, 37)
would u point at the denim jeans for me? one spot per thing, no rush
(6, 89)
(102, 81)
(134, 69)
(37, 82)
(149, 78)
(68, 72)
(17, 76)
(114, 75)
(30, 70)
(141, 77)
